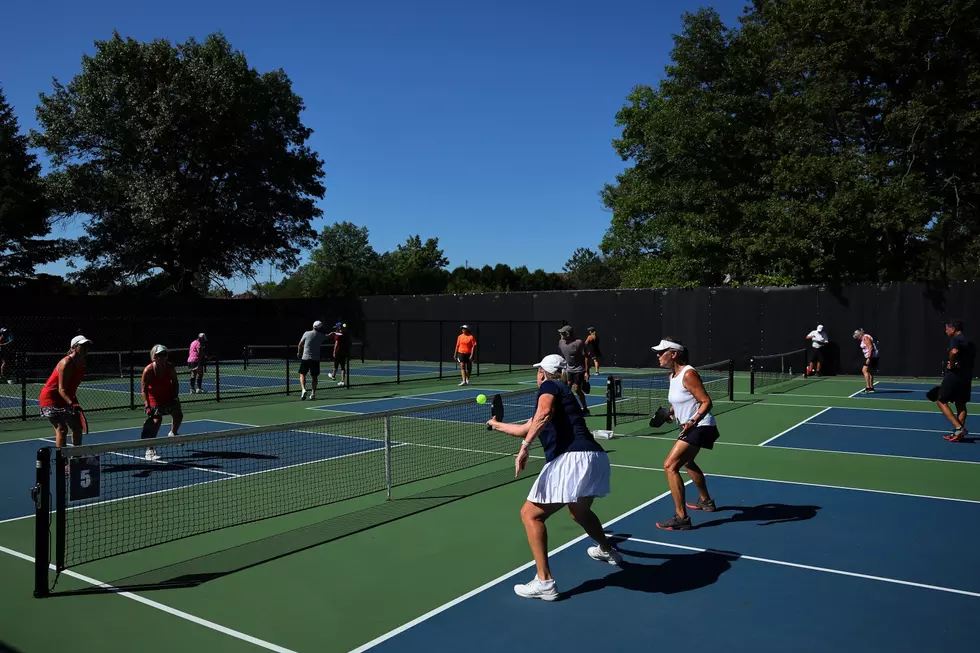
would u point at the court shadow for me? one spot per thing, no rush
(676, 573)
(765, 514)
(7, 648)
(200, 570)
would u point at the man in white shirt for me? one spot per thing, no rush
(820, 340)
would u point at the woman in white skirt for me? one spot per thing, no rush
(690, 405)
(576, 471)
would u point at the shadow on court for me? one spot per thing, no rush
(676, 573)
(197, 571)
(765, 514)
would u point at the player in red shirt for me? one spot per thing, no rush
(59, 396)
(160, 390)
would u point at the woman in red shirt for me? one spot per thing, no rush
(160, 387)
(59, 396)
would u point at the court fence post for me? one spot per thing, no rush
(477, 344)
(398, 351)
(510, 346)
(287, 374)
(23, 386)
(387, 427)
(217, 378)
(41, 494)
(731, 379)
(752, 376)
(440, 349)
(132, 379)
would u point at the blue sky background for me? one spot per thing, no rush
(485, 124)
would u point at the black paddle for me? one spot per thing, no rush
(496, 410)
(660, 417)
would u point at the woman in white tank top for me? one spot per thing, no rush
(690, 406)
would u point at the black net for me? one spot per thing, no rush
(125, 496)
(778, 372)
(634, 397)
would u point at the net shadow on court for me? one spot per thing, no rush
(203, 569)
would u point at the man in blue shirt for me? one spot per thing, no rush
(956, 384)
(576, 471)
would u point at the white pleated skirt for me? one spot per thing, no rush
(571, 476)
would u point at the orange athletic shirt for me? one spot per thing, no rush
(465, 343)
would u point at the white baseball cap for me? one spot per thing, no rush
(819, 327)
(158, 349)
(551, 363)
(667, 344)
(79, 340)
(317, 324)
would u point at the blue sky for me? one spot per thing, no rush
(485, 124)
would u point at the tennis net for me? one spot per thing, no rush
(633, 397)
(778, 372)
(112, 499)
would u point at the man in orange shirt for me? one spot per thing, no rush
(465, 353)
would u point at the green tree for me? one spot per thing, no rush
(25, 215)
(191, 166)
(588, 270)
(345, 263)
(417, 267)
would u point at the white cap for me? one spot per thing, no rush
(318, 324)
(465, 326)
(79, 340)
(667, 344)
(551, 363)
(819, 327)
(202, 336)
(158, 349)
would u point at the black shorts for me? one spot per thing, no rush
(816, 355)
(309, 367)
(701, 436)
(872, 364)
(163, 409)
(576, 378)
(340, 359)
(196, 365)
(954, 389)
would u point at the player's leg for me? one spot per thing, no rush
(705, 502)
(74, 423)
(304, 366)
(176, 418)
(315, 373)
(948, 390)
(680, 455)
(533, 516)
(150, 430)
(60, 430)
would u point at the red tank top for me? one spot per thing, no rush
(159, 388)
(50, 397)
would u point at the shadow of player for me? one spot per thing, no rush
(678, 572)
(765, 514)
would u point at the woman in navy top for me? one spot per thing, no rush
(576, 471)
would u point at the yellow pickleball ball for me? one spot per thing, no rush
(481, 399)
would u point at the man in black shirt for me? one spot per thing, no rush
(341, 351)
(957, 380)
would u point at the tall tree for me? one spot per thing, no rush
(345, 263)
(588, 270)
(191, 165)
(417, 267)
(24, 210)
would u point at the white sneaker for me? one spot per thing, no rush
(171, 435)
(538, 589)
(151, 454)
(462, 383)
(330, 374)
(612, 556)
(340, 383)
(302, 395)
(312, 397)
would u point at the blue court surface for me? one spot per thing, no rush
(434, 398)
(903, 390)
(777, 568)
(881, 432)
(17, 467)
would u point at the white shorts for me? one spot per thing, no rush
(572, 476)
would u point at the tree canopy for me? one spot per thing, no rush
(24, 209)
(190, 165)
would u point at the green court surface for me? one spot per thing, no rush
(338, 577)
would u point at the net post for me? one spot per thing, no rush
(60, 502)
(347, 373)
(41, 494)
(23, 386)
(610, 403)
(387, 423)
(752, 376)
(217, 378)
(731, 379)
(132, 380)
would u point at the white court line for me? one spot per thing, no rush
(180, 614)
(887, 428)
(887, 410)
(159, 462)
(762, 444)
(445, 606)
(796, 565)
(121, 428)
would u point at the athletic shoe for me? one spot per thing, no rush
(302, 395)
(151, 454)
(538, 589)
(675, 523)
(611, 556)
(707, 506)
(957, 435)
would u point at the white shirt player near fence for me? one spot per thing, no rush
(819, 340)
